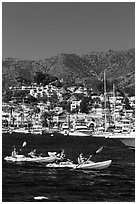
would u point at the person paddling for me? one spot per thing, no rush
(81, 159)
(14, 152)
(61, 153)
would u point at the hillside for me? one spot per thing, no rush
(71, 68)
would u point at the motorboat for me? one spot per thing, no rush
(101, 134)
(73, 132)
(5, 130)
(81, 127)
(21, 130)
(78, 133)
(127, 139)
(36, 129)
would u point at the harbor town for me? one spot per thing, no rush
(68, 102)
(73, 110)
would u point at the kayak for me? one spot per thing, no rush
(61, 165)
(86, 166)
(94, 165)
(22, 158)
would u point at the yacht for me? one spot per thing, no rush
(5, 130)
(80, 126)
(78, 129)
(36, 129)
(21, 130)
(127, 138)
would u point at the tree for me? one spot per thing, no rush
(39, 77)
(65, 105)
(126, 104)
(44, 117)
(84, 105)
(43, 78)
(31, 99)
(6, 97)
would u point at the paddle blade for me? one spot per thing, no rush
(99, 150)
(24, 144)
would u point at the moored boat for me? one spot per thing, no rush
(78, 133)
(21, 130)
(36, 129)
(128, 139)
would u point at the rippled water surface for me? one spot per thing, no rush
(24, 181)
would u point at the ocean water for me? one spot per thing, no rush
(22, 182)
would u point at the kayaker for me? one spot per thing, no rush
(32, 153)
(60, 153)
(14, 152)
(63, 153)
(81, 159)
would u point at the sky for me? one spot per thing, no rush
(39, 30)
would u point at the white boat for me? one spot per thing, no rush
(5, 130)
(85, 166)
(78, 133)
(127, 139)
(36, 129)
(21, 130)
(22, 158)
(67, 164)
(73, 132)
(101, 134)
(80, 126)
(94, 165)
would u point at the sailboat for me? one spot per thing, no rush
(103, 133)
(128, 137)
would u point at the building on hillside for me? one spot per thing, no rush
(74, 105)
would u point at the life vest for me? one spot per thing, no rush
(14, 153)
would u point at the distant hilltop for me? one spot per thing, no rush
(70, 69)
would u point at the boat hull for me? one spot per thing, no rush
(130, 142)
(88, 166)
(96, 165)
(79, 133)
(127, 139)
(29, 159)
(61, 165)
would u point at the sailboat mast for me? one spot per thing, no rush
(105, 99)
(114, 103)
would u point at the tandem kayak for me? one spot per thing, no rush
(86, 166)
(22, 158)
(61, 165)
(94, 165)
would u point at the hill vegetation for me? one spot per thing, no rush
(71, 69)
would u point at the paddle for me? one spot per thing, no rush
(23, 145)
(98, 151)
(95, 152)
